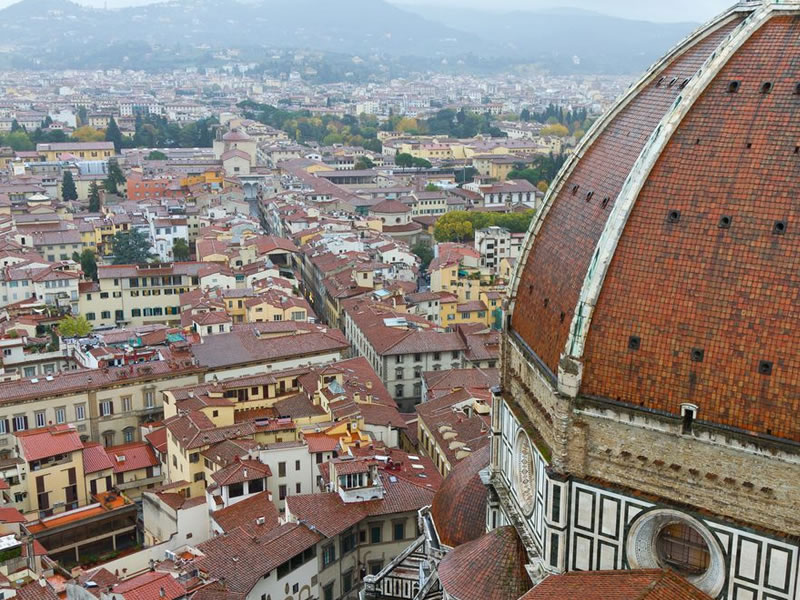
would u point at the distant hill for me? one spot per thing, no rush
(555, 36)
(59, 34)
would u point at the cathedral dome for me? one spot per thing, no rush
(662, 271)
(459, 505)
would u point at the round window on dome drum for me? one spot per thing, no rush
(681, 548)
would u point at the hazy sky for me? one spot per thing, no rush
(674, 10)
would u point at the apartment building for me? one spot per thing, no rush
(495, 244)
(400, 347)
(139, 294)
(85, 150)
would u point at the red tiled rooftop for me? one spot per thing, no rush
(643, 584)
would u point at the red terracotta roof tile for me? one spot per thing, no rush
(644, 584)
(491, 567)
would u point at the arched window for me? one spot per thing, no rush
(108, 438)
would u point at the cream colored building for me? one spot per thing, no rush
(137, 295)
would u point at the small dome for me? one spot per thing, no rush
(236, 135)
(459, 506)
(489, 568)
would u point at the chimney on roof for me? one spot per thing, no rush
(162, 593)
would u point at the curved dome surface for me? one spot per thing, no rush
(459, 505)
(236, 135)
(664, 268)
(491, 567)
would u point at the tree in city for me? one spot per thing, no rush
(460, 226)
(88, 262)
(420, 163)
(70, 327)
(403, 160)
(431, 187)
(131, 247)
(180, 250)
(68, 189)
(556, 129)
(156, 155)
(18, 140)
(364, 162)
(113, 134)
(94, 197)
(114, 178)
(83, 116)
(88, 134)
(425, 253)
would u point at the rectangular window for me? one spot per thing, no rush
(556, 508)
(347, 581)
(127, 435)
(256, 485)
(281, 469)
(297, 488)
(40, 418)
(297, 465)
(106, 408)
(282, 492)
(106, 314)
(61, 415)
(349, 541)
(80, 412)
(149, 398)
(235, 490)
(126, 404)
(375, 534)
(327, 592)
(20, 423)
(328, 555)
(399, 529)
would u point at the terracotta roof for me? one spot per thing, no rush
(11, 515)
(87, 379)
(491, 567)
(643, 584)
(390, 207)
(217, 591)
(35, 591)
(95, 458)
(228, 451)
(245, 514)
(330, 515)
(158, 438)
(149, 586)
(137, 455)
(240, 471)
(243, 347)
(319, 442)
(243, 558)
(44, 442)
(195, 430)
(459, 506)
